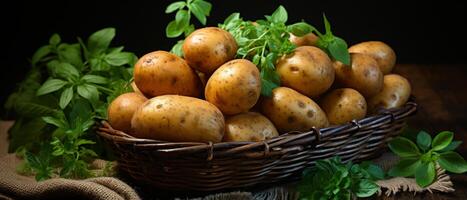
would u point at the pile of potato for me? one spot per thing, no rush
(210, 96)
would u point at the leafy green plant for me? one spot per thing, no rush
(331, 179)
(420, 160)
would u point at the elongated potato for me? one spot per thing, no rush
(292, 111)
(178, 119)
(160, 72)
(234, 87)
(362, 75)
(396, 92)
(249, 126)
(343, 105)
(308, 70)
(121, 110)
(381, 52)
(309, 39)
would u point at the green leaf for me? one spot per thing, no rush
(405, 167)
(300, 29)
(339, 51)
(198, 12)
(70, 54)
(175, 6)
(54, 40)
(24, 131)
(30, 109)
(442, 140)
(327, 26)
(83, 142)
(65, 98)
(280, 15)
(50, 85)
(177, 48)
(173, 30)
(66, 70)
(452, 162)
(89, 78)
(424, 140)
(269, 81)
(373, 170)
(403, 147)
(204, 6)
(99, 64)
(55, 121)
(40, 53)
(188, 30)
(119, 58)
(425, 174)
(452, 146)
(366, 188)
(88, 92)
(100, 40)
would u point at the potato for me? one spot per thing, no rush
(208, 48)
(121, 110)
(396, 92)
(362, 75)
(308, 70)
(160, 72)
(249, 126)
(381, 52)
(234, 87)
(343, 105)
(292, 111)
(309, 39)
(178, 119)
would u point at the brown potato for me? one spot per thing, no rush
(308, 70)
(381, 52)
(249, 126)
(362, 75)
(309, 39)
(206, 49)
(292, 111)
(343, 105)
(160, 72)
(234, 87)
(121, 110)
(396, 92)
(178, 119)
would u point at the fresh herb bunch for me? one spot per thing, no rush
(331, 179)
(421, 159)
(181, 25)
(64, 95)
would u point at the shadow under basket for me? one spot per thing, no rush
(198, 166)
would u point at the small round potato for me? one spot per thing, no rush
(381, 52)
(309, 39)
(249, 126)
(160, 72)
(121, 110)
(235, 87)
(178, 119)
(208, 48)
(396, 92)
(343, 105)
(292, 111)
(308, 70)
(363, 75)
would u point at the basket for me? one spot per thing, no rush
(197, 166)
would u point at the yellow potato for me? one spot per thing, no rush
(121, 110)
(396, 92)
(208, 48)
(308, 70)
(235, 87)
(343, 105)
(309, 39)
(381, 52)
(160, 72)
(249, 126)
(178, 119)
(292, 111)
(362, 75)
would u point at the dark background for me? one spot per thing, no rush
(425, 32)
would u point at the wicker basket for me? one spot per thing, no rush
(208, 167)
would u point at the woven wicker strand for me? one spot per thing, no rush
(209, 167)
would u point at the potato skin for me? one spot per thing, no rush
(343, 105)
(121, 110)
(362, 75)
(135, 88)
(208, 48)
(292, 111)
(160, 72)
(309, 39)
(249, 126)
(308, 70)
(178, 119)
(235, 87)
(396, 92)
(380, 51)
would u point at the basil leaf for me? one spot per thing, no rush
(188, 30)
(300, 29)
(339, 51)
(66, 70)
(88, 92)
(451, 147)
(375, 172)
(204, 6)
(177, 48)
(55, 121)
(403, 147)
(327, 25)
(424, 140)
(173, 30)
(70, 54)
(366, 188)
(98, 64)
(269, 80)
(405, 167)
(175, 6)
(50, 85)
(54, 40)
(65, 97)
(442, 140)
(452, 162)
(425, 174)
(89, 78)
(100, 40)
(231, 18)
(40, 53)
(118, 58)
(280, 15)
(198, 12)
(30, 109)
